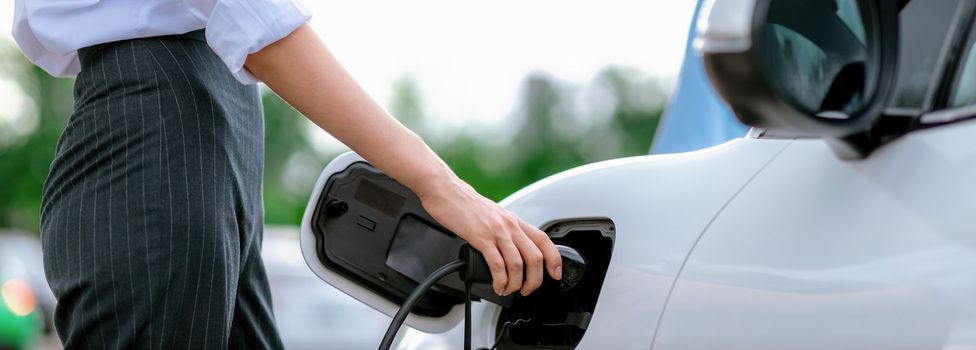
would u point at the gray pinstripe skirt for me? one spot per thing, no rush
(151, 215)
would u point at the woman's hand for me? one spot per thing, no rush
(301, 70)
(506, 242)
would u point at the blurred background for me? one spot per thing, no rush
(507, 92)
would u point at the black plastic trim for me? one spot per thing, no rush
(382, 280)
(374, 231)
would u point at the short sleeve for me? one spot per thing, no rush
(237, 28)
(63, 63)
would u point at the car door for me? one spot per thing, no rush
(880, 253)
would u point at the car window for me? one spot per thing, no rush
(964, 93)
(924, 27)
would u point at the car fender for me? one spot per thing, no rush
(660, 205)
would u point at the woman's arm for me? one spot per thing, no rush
(303, 72)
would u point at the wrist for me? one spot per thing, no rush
(426, 174)
(437, 185)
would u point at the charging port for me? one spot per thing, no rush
(553, 318)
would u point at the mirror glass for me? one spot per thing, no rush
(815, 55)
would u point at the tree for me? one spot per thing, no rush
(546, 133)
(25, 156)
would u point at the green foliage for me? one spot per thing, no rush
(26, 154)
(555, 126)
(550, 135)
(285, 141)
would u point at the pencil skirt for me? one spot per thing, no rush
(152, 214)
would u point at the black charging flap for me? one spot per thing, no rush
(374, 231)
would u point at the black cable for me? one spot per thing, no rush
(414, 297)
(467, 315)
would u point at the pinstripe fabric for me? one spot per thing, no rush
(152, 213)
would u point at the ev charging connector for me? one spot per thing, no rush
(473, 268)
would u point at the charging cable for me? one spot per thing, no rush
(414, 297)
(472, 268)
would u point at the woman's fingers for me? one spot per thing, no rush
(513, 263)
(499, 277)
(507, 243)
(532, 259)
(554, 262)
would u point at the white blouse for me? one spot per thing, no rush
(50, 32)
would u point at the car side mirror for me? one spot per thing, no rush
(821, 68)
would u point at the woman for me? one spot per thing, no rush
(151, 215)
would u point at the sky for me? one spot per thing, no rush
(468, 57)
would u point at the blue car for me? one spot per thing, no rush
(695, 118)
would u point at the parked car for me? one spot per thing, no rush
(21, 320)
(309, 314)
(26, 248)
(695, 117)
(842, 221)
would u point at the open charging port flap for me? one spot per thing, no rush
(374, 231)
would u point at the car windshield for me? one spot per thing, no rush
(964, 92)
(924, 27)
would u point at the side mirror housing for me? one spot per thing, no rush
(821, 68)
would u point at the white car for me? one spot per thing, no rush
(846, 219)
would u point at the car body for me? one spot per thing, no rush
(801, 236)
(21, 320)
(26, 248)
(308, 313)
